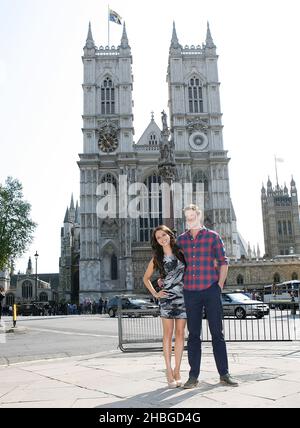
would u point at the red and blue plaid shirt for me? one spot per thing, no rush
(200, 254)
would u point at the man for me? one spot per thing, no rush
(203, 283)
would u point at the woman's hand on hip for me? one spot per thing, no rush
(161, 294)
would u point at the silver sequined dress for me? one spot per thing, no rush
(173, 306)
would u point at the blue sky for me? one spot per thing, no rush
(41, 100)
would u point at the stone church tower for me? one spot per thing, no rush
(194, 102)
(115, 249)
(280, 212)
(69, 255)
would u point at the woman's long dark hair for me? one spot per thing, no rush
(158, 252)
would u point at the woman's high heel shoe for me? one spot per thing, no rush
(172, 383)
(178, 381)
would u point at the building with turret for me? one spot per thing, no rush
(30, 286)
(104, 250)
(281, 261)
(280, 212)
(115, 249)
(70, 250)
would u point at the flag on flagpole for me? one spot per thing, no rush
(115, 17)
(279, 159)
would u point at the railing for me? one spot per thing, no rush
(141, 330)
(146, 148)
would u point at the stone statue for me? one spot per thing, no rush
(164, 121)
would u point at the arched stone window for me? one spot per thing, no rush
(9, 299)
(284, 227)
(200, 177)
(240, 279)
(114, 267)
(109, 263)
(294, 275)
(27, 290)
(153, 141)
(111, 179)
(276, 278)
(43, 297)
(195, 95)
(154, 215)
(107, 97)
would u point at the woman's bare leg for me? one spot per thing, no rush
(179, 345)
(168, 327)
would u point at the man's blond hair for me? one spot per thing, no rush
(192, 207)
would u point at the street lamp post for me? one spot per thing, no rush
(36, 258)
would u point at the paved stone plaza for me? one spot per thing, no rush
(268, 372)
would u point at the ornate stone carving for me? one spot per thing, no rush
(166, 163)
(109, 227)
(197, 124)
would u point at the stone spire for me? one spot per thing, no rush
(124, 39)
(293, 184)
(29, 267)
(175, 46)
(258, 252)
(67, 217)
(249, 251)
(90, 47)
(72, 203)
(174, 41)
(72, 210)
(269, 187)
(90, 44)
(209, 43)
(77, 213)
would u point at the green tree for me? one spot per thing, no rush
(16, 226)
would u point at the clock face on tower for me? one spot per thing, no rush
(108, 143)
(198, 141)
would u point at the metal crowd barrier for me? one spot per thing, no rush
(141, 330)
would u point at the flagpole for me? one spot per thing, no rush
(108, 25)
(276, 169)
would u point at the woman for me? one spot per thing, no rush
(169, 260)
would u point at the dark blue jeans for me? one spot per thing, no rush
(194, 302)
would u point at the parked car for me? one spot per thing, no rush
(28, 309)
(35, 308)
(240, 305)
(132, 303)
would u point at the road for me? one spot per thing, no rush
(58, 336)
(39, 338)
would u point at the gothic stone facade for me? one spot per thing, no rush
(281, 223)
(68, 289)
(254, 274)
(114, 252)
